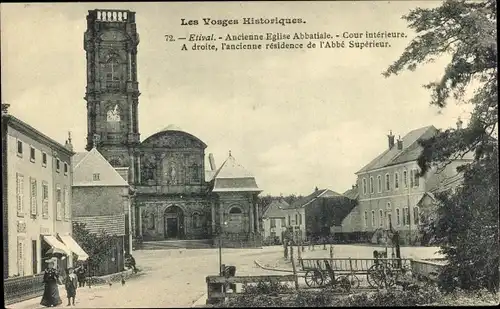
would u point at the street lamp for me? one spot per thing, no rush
(220, 247)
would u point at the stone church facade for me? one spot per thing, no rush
(176, 196)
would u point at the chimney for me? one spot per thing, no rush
(459, 123)
(400, 143)
(316, 189)
(391, 139)
(212, 161)
(5, 109)
(68, 143)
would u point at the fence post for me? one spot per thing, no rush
(296, 279)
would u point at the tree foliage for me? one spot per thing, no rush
(97, 246)
(466, 222)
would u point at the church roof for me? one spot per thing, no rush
(233, 177)
(86, 164)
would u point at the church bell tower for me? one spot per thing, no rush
(112, 90)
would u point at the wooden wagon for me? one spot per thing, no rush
(380, 272)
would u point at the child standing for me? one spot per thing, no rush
(71, 284)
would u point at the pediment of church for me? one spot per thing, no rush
(173, 140)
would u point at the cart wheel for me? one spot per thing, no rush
(313, 278)
(375, 276)
(327, 280)
(344, 284)
(353, 281)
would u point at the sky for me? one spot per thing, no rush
(297, 119)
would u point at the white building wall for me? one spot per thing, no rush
(25, 227)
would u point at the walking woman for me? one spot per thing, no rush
(51, 292)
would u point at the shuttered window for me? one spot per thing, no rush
(58, 204)
(45, 199)
(67, 212)
(20, 194)
(33, 196)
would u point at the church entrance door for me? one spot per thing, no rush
(173, 221)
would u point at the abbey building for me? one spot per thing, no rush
(175, 195)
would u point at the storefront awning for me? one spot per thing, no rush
(74, 247)
(56, 244)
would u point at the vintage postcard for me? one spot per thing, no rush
(280, 153)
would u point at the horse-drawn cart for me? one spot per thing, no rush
(347, 272)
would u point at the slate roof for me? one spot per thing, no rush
(112, 224)
(410, 152)
(352, 193)
(86, 164)
(233, 177)
(275, 209)
(313, 196)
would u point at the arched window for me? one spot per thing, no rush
(235, 210)
(111, 70)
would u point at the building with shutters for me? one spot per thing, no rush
(36, 179)
(101, 201)
(390, 188)
(176, 197)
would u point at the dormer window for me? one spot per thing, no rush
(95, 177)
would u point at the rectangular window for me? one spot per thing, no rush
(58, 165)
(387, 182)
(20, 148)
(398, 217)
(364, 186)
(58, 204)
(379, 183)
(396, 180)
(65, 168)
(283, 223)
(296, 219)
(67, 214)
(389, 220)
(44, 159)
(32, 154)
(300, 219)
(20, 256)
(371, 185)
(33, 196)
(289, 220)
(373, 218)
(381, 217)
(405, 179)
(366, 219)
(407, 216)
(20, 194)
(34, 257)
(95, 177)
(273, 223)
(416, 215)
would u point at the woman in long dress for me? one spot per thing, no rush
(50, 296)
